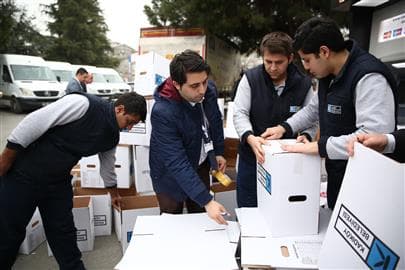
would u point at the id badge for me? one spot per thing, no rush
(208, 147)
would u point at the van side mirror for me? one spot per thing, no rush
(58, 78)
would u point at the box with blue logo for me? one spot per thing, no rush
(367, 226)
(288, 186)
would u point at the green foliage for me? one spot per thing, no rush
(244, 22)
(17, 35)
(79, 32)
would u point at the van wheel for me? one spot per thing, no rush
(15, 105)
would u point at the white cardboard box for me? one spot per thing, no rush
(367, 225)
(34, 234)
(140, 133)
(177, 242)
(261, 250)
(84, 223)
(131, 208)
(143, 181)
(288, 186)
(90, 169)
(151, 69)
(230, 131)
(101, 200)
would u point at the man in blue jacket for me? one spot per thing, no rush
(186, 125)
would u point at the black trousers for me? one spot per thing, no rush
(169, 205)
(19, 196)
(336, 171)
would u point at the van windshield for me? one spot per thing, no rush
(112, 78)
(32, 73)
(97, 77)
(64, 75)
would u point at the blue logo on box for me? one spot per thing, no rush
(381, 256)
(129, 236)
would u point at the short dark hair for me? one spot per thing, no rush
(278, 43)
(134, 104)
(187, 62)
(81, 71)
(317, 32)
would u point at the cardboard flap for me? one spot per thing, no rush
(367, 225)
(81, 202)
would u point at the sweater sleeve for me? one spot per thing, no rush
(63, 111)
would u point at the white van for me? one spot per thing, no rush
(27, 82)
(62, 70)
(114, 79)
(99, 86)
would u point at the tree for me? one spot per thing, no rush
(243, 22)
(17, 35)
(79, 32)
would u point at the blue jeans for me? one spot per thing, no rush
(246, 187)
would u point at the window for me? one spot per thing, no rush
(6, 74)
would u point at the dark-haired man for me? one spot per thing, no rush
(36, 163)
(267, 95)
(186, 126)
(78, 83)
(357, 94)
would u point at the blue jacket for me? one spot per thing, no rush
(176, 139)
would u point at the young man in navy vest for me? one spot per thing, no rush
(187, 137)
(36, 163)
(267, 95)
(357, 94)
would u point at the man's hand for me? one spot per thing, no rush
(256, 145)
(221, 163)
(215, 211)
(6, 160)
(273, 133)
(115, 196)
(306, 147)
(377, 142)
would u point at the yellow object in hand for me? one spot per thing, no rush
(221, 177)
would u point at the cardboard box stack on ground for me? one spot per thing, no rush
(288, 187)
(125, 216)
(179, 242)
(34, 234)
(90, 169)
(151, 69)
(84, 223)
(367, 226)
(143, 182)
(140, 133)
(101, 200)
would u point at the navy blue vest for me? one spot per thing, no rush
(51, 157)
(267, 108)
(337, 112)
